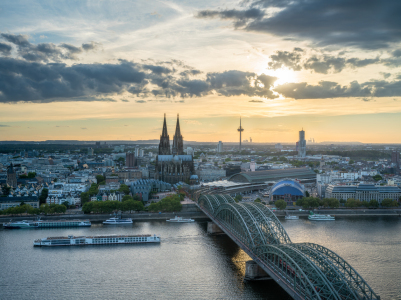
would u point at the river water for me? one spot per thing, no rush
(188, 263)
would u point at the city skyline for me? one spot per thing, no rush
(100, 71)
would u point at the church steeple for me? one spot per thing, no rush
(178, 144)
(164, 145)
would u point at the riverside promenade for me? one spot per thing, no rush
(190, 211)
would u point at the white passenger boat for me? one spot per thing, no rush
(117, 221)
(291, 217)
(317, 217)
(20, 225)
(96, 240)
(180, 220)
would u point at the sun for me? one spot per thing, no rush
(284, 75)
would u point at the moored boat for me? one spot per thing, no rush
(46, 224)
(24, 224)
(318, 217)
(291, 217)
(117, 221)
(180, 220)
(96, 240)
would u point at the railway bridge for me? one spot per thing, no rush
(304, 270)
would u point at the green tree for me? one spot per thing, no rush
(257, 200)
(44, 208)
(351, 203)
(351, 162)
(238, 198)
(377, 177)
(87, 207)
(373, 203)
(307, 194)
(389, 203)
(227, 159)
(5, 190)
(99, 179)
(31, 174)
(308, 202)
(43, 196)
(124, 189)
(280, 204)
(84, 198)
(127, 198)
(93, 190)
(66, 204)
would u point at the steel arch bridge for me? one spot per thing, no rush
(304, 270)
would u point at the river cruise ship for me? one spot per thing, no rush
(46, 224)
(117, 221)
(96, 240)
(180, 220)
(317, 217)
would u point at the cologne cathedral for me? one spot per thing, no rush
(172, 165)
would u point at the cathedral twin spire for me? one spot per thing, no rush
(178, 143)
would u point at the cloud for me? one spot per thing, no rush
(4, 125)
(83, 128)
(124, 100)
(30, 81)
(44, 52)
(62, 126)
(359, 23)
(298, 60)
(91, 46)
(140, 101)
(5, 49)
(193, 122)
(256, 101)
(328, 89)
(287, 59)
(385, 75)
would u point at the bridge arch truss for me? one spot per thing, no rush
(311, 270)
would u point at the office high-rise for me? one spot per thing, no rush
(302, 144)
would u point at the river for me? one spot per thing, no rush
(188, 263)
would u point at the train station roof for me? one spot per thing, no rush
(273, 175)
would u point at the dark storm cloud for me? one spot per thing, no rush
(5, 49)
(365, 24)
(30, 81)
(44, 52)
(297, 60)
(328, 89)
(22, 80)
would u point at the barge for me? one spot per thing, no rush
(96, 240)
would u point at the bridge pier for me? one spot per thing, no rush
(254, 272)
(213, 228)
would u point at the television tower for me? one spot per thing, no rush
(240, 129)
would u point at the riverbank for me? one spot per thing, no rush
(136, 217)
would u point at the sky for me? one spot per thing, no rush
(109, 70)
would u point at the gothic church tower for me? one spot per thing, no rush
(164, 145)
(178, 144)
